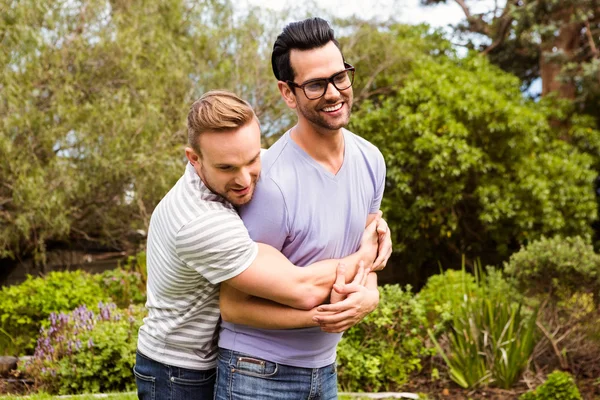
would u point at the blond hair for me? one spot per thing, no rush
(217, 110)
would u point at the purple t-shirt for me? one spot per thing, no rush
(309, 214)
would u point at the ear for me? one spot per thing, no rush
(193, 157)
(288, 95)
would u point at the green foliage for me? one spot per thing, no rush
(444, 293)
(95, 96)
(473, 167)
(126, 285)
(490, 338)
(558, 267)
(559, 386)
(382, 351)
(25, 306)
(84, 352)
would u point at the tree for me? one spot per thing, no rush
(473, 167)
(555, 40)
(93, 101)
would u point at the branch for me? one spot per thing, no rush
(465, 9)
(563, 363)
(588, 32)
(502, 33)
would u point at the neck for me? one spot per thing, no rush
(325, 147)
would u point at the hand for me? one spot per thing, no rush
(340, 280)
(369, 243)
(358, 302)
(385, 245)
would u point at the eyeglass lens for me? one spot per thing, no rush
(341, 81)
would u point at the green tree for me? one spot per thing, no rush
(93, 102)
(473, 167)
(555, 40)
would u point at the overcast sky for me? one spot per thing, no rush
(405, 10)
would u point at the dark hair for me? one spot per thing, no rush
(308, 34)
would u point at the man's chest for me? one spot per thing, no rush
(327, 215)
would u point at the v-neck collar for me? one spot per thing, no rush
(307, 157)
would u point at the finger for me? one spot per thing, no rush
(339, 287)
(340, 282)
(384, 252)
(341, 327)
(360, 273)
(331, 319)
(365, 277)
(382, 226)
(340, 274)
(350, 288)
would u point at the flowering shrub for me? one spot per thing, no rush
(84, 351)
(25, 307)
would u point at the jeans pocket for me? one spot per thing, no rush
(192, 384)
(196, 381)
(254, 367)
(146, 385)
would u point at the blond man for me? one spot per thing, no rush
(196, 240)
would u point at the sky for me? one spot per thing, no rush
(405, 10)
(408, 11)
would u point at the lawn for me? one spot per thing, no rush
(115, 396)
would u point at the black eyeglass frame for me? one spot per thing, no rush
(348, 68)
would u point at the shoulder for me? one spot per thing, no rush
(209, 222)
(369, 152)
(274, 157)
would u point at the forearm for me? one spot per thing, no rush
(240, 308)
(274, 277)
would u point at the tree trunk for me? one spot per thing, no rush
(566, 42)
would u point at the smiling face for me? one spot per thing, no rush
(332, 111)
(229, 163)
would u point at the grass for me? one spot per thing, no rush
(113, 396)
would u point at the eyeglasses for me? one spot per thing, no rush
(316, 88)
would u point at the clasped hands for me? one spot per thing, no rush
(351, 302)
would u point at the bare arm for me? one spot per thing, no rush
(361, 300)
(241, 308)
(273, 277)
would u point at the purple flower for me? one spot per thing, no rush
(90, 343)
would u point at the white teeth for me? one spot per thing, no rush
(334, 108)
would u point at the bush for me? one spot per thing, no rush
(87, 352)
(26, 306)
(126, 285)
(383, 350)
(559, 386)
(491, 337)
(444, 293)
(558, 267)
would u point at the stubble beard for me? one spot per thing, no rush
(313, 115)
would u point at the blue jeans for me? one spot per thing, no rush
(240, 376)
(157, 381)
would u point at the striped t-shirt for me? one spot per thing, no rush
(195, 241)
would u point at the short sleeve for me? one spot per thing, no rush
(266, 215)
(216, 245)
(380, 172)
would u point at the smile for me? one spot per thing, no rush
(333, 108)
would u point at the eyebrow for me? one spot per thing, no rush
(231, 165)
(321, 79)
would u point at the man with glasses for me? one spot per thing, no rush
(320, 186)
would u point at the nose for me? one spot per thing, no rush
(244, 179)
(331, 91)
